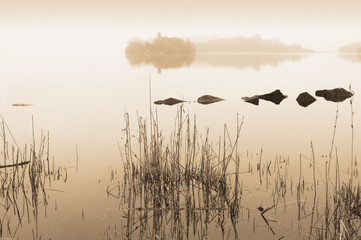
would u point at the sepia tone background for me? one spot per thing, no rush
(321, 25)
(63, 69)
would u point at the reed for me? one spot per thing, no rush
(24, 176)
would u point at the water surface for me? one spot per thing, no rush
(80, 94)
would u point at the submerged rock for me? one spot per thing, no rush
(334, 95)
(305, 99)
(168, 101)
(21, 105)
(276, 97)
(207, 99)
(253, 100)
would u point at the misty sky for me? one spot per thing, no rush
(318, 24)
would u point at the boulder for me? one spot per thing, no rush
(276, 97)
(168, 101)
(334, 95)
(208, 99)
(305, 99)
(253, 100)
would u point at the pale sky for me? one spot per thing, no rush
(317, 24)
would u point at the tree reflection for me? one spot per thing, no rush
(161, 61)
(242, 61)
(254, 44)
(356, 58)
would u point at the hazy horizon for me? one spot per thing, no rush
(322, 26)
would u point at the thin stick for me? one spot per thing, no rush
(77, 157)
(352, 137)
(260, 166)
(14, 165)
(314, 169)
(150, 105)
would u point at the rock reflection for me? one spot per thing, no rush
(242, 61)
(353, 57)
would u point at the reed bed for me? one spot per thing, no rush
(24, 176)
(186, 187)
(179, 188)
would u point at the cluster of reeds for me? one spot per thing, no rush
(24, 175)
(345, 213)
(179, 188)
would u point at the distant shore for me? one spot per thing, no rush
(254, 44)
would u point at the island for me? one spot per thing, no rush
(162, 52)
(240, 52)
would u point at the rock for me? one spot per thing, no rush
(305, 99)
(207, 99)
(334, 95)
(276, 97)
(168, 101)
(253, 100)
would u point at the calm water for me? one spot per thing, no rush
(80, 96)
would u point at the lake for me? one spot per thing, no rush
(80, 96)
